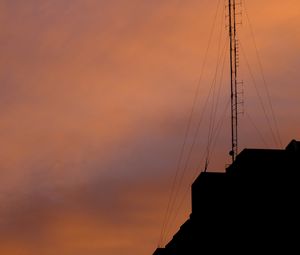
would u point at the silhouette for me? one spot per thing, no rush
(252, 207)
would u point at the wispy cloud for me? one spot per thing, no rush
(94, 100)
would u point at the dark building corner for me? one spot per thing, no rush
(253, 204)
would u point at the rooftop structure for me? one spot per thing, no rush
(252, 207)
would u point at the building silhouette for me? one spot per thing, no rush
(253, 207)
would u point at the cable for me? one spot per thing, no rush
(190, 151)
(169, 207)
(220, 125)
(257, 130)
(263, 77)
(215, 110)
(259, 96)
(211, 130)
(215, 105)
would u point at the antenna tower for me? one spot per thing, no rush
(234, 64)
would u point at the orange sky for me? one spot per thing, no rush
(94, 102)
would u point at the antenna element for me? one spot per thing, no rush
(234, 64)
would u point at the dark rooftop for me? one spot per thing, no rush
(253, 206)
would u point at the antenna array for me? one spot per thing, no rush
(235, 85)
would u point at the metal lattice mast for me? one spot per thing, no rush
(233, 76)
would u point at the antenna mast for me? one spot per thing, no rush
(234, 62)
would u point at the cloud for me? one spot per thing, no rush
(94, 101)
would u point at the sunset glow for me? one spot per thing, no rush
(95, 97)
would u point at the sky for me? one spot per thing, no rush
(95, 99)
